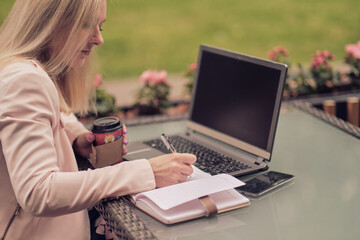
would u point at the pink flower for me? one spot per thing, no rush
(320, 59)
(327, 54)
(271, 55)
(159, 77)
(356, 54)
(282, 50)
(192, 67)
(146, 76)
(350, 48)
(98, 80)
(153, 77)
(353, 49)
(278, 53)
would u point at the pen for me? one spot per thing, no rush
(167, 143)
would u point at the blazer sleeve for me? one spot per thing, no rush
(72, 126)
(28, 116)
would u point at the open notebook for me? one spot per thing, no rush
(201, 195)
(234, 112)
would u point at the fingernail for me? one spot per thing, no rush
(91, 137)
(126, 141)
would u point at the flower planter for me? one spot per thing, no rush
(139, 114)
(147, 110)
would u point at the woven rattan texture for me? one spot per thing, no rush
(333, 120)
(123, 220)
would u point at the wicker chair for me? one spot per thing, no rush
(119, 215)
(124, 222)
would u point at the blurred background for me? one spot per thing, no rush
(166, 34)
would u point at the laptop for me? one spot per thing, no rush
(233, 113)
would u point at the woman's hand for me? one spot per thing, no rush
(82, 144)
(172, 168)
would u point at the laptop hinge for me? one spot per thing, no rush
(259, 161)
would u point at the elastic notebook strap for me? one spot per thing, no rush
(209, 205)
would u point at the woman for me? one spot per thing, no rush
(44, 63)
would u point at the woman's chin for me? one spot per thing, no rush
(78, 63)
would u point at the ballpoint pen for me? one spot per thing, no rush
(167, 143)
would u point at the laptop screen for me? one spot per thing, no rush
(238, 96)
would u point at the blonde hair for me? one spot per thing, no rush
(30, 31)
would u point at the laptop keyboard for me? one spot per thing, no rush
(208, 160)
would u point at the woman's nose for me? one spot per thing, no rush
(97, 38)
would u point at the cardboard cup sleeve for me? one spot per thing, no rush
(107, 154)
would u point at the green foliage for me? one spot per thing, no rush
(166, 34)
(321, 71)
(190, 75)
(304, 84)
(105, 103)
(321, 77)
(155, 96)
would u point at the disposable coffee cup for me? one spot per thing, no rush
(107, 130)
(108, 144)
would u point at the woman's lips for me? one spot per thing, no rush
(86, 52)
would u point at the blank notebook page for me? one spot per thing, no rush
(174, 195)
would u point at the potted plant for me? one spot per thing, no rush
(297, 80)
(153, 97)
(190, 75)
(104, 104)
(322, 71)
(352, 58)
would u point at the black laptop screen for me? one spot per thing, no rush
(235, 97)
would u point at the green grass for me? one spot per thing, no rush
(166, 34)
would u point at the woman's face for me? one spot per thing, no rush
(84, 42)
(94, 40)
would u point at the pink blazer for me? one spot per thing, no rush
(37, 165)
